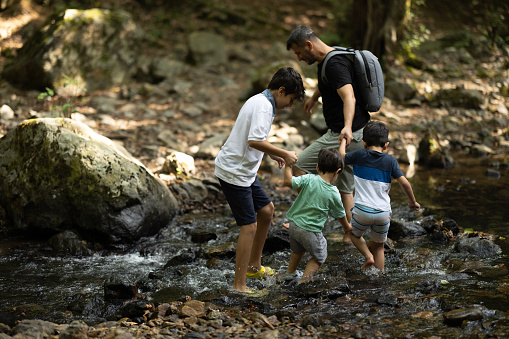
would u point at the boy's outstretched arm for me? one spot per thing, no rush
(342, 148)
(346, 225)
(407, 189)
(289, 157)
(287, 179)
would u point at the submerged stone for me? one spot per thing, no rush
(456, 317)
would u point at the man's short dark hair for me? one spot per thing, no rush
(329, 160)
(376, 133)
(291, 80)
(299, 36)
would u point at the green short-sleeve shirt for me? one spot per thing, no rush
(314, 203)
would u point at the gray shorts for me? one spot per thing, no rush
(302, 240)
(308, 158)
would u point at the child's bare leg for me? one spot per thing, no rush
(295, 259)
(347, 199)
(310, 270)
(244, 247)
(362, 246)
(378, 254)
(264, 218)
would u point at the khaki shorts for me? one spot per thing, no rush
(308, 158)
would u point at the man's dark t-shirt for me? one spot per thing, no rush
(340, 72)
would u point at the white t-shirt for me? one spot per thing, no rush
(237, 163)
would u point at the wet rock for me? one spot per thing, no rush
(186, 257)
(456, 317)
(136, 309)
(169, 294)
(116, 290)
(404, 229)
(477, 245)
(202, 235)
(278, 240)
(68, 242)
(428, 286)
(442, 231)
(87, 305)
(226, 250)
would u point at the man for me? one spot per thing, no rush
(344, 117)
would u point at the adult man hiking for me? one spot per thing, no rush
(344, 116)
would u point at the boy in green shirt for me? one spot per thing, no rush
(308, 214)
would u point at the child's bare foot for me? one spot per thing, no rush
(368, 263)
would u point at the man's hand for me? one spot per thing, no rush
(280, 161)
(308, 105)
(346, 133)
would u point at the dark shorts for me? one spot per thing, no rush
(245, 201)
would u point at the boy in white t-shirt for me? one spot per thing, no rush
(237, 165)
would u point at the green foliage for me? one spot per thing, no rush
(66, 109)
(492, 20)
(414, 33)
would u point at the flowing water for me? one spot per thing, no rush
(421, 281)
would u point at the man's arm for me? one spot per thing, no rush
(308, 105)
(347, 95)
(289, 157)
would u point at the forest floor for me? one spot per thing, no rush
(254, 29)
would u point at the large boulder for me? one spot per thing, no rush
(58, 174)
(96, 48)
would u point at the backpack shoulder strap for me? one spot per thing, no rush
(338, 50)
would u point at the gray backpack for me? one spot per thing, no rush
(369, 76)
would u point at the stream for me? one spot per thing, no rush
(422, 280)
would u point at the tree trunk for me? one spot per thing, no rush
(377, 25)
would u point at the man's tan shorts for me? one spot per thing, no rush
(308, 158)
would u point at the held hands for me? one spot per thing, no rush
(346, 133)
(290, 158)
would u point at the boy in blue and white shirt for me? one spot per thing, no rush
(373, 171)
